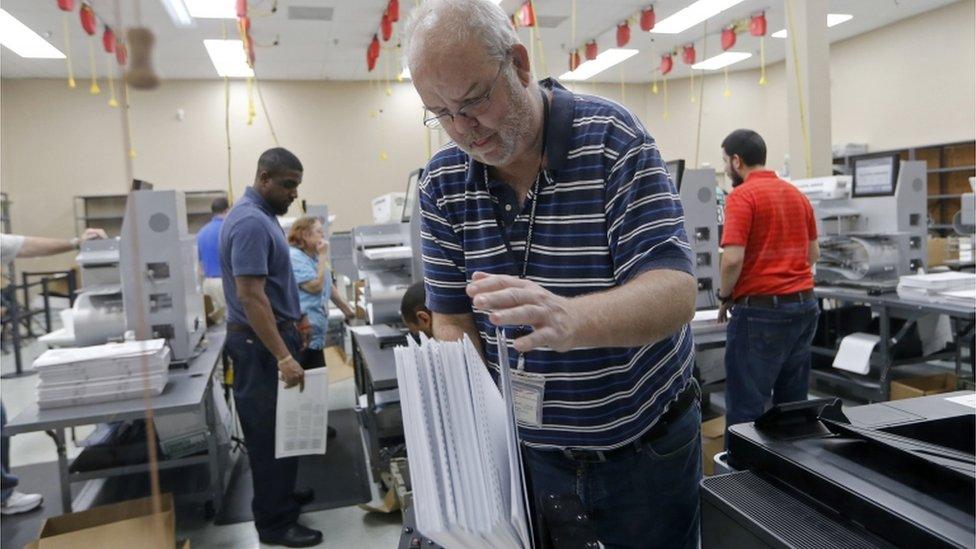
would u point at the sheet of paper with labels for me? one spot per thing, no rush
(465, 463)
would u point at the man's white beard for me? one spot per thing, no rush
(516, 127)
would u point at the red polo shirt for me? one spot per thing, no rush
(774, 221)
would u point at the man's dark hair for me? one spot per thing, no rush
(748, 144)
(219, 205)
(277, 161)
(414, 300)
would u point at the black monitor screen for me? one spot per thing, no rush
(676, 169)
(412, 194)
(875, 176)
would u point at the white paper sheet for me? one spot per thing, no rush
(854, 354)
(302, 417)
(965, 400)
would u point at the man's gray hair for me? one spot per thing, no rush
(455, 21)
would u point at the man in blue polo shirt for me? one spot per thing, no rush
(208, 251)
(552, 215)
(263, 339)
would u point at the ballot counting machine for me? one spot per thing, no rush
(814, 474)
(146, 281)
(872, 226)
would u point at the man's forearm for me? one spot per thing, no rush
(454, 327)
(643, 311)
(37, 246)
(730, 277)
(257, 308)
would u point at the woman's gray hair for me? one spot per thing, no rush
(453, 22)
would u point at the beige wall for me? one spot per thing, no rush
(888, 88)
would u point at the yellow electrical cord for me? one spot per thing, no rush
(799, 92)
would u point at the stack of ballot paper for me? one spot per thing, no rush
(950, 287)
(465, 464)
(101, 373)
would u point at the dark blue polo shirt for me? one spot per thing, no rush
(252, 243)
(605, 213)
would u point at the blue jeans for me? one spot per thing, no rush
(256, 397)
(643, 496)
(767, 354)
(9, 482)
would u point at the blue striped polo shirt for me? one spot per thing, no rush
(607, 212)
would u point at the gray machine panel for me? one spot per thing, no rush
(697, 192)
(160, 272)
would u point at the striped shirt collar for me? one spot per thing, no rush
(559, 134)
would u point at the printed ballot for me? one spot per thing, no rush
(302, 417)
(465, 464)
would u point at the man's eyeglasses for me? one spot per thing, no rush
(470, 110)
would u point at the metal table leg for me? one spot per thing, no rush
(213, 450)
(58, 436)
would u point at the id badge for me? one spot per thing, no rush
(528, 391)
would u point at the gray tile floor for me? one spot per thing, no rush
(343, 527)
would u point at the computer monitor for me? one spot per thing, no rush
(875, 175)
(413, 181)
(676, 169)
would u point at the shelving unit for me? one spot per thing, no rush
(105, 211)
(949, 167)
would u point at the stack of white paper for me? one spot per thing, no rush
(465, 464)
(949, 287)
(101, 373)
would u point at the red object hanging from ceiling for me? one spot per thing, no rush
(108, 40)
(242, 8)
(647, 19)
(120, 53)
(393, 9)
(374, 48)
(87, 15)
(66, 5)
(667, 63)
(688, 54)
(574, 60)
(757, 25)
(370, 61)
(728, 37)
(591, 50)
(244, 25)
(386, 27)
(623, 34)
(526, 15)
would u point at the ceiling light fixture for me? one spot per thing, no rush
(603, 61)
(721, 60)
(405, 73)
(692, 15)
(23, 41)
(212, 9)
(228, 58)
(176, 9)
(833, 19)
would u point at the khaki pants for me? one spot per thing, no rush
(214, 289)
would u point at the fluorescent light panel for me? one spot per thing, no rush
(721, 60)
(833, 19)
(405, 73)
(692, 15)
(228, 58)
(177, 11)
(603, 61)
(211, 9)
(23, 41)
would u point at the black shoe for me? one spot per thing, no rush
(332, 432)
(295, 535)
(303, 496)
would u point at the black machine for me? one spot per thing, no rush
(893, 474)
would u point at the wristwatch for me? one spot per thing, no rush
(723, 300)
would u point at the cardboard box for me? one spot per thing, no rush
(125, 524)
(913, 387)
(713, 442)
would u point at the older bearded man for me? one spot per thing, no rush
(552, 215)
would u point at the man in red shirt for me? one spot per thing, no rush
(769, 245)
